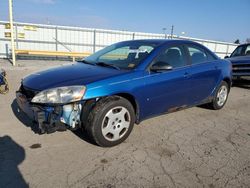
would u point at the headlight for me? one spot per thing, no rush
(60, 95)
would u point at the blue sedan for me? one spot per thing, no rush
(123, 84)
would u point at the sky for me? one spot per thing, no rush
(224, 20)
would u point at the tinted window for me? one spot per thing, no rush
(173, 56)
(237, 51)
(198, 55)
(247, 51)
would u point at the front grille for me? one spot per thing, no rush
(241, 69)
(29, 93)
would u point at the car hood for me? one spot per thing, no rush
(239, 60)
(75, 74)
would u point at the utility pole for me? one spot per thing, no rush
(164, 31)
(12, 33)
(172, 31)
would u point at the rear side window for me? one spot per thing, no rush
(198, 55)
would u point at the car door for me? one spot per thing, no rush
(167, 91)
(205, 73)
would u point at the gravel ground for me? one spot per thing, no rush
(196, 147)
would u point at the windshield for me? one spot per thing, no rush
(123, 55)
(243, 50)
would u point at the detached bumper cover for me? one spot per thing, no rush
(51, 118)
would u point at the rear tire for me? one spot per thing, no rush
(111, 121)
(220, 98)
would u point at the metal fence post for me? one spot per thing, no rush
(12, 33)
(94, 41)
(56, 33)
(16, 36)
(215, 48)
(227, 49)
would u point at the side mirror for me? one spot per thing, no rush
(226, 57)
(161, 66)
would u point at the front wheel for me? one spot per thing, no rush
(220, 97)
(111, 121)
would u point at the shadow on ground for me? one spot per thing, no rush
(84, 136)
(11, 155)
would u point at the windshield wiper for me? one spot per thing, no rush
(86, 62)
(107, 65)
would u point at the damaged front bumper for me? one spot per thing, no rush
(51, 118)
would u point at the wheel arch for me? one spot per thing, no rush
(228, 81)
(90, 103)
(134, 103)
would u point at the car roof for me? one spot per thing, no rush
(165, 41)
(245, 44)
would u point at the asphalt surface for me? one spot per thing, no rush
(196, 147)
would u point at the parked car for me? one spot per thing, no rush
(240, 59)
(122, 84)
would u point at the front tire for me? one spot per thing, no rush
(111, 121)
(220, 97)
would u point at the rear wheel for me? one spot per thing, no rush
(111, 121)
(220, 97)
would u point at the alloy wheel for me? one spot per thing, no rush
(116, 123)
(222, 95)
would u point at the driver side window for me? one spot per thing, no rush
(174, 56)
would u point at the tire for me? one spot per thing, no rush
(111, 121)
(221, 96)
